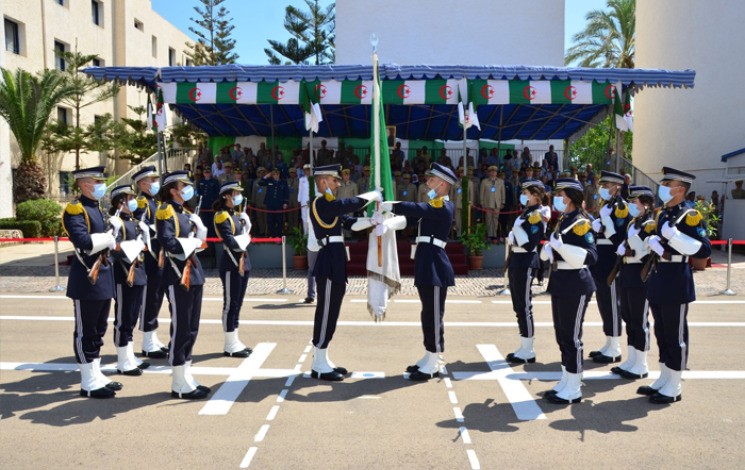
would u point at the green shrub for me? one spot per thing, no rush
(30, 228)
(38, 209)
(50, 228)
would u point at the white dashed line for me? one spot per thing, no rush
(464, 435)
(248, 457)
(282, 395)
(262, 433)
(458, 414)
(448, 382)
(475, 465)
(272, 413)
(453, 398)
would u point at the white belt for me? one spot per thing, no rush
(604, 241)
(631, 261)
(563, 265)
(432, 240)
(675, 259)
(517, 249)
(326, 240)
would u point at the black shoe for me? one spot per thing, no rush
(332, 376)
(102, 392)
(341, 370)
(144, 365)
(617, 370)
(309, 300)
(603, 359)
(134, 372)
(157, 354)
(557, 400)
(661, 399)
(204, 388)
(646, 390)
(519, 360)
(549, 392)
(115, 386)
(594, 353)
(632, 376)
(197, 394)
(244, 353)
(412, 369)
(419, 376)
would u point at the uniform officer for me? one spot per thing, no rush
(303, 196)
(129, 276)
(524, 239)
(363, 183)
(571, 249)
(328, 215)
(610, 232)
(680, 234)
(347, 189)
(258, 197)
(406, 191)
(181, 234)
(233, 228)
(90, 283)
(491, 195)
(147, 184)
(634, 307)
(276, 200)
(433, 271)
(292, 202)
(456, 195)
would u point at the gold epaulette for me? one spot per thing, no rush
(650, 226)
(165, 212)
(693, 218)
(221, 217)
(141, 202)
(436, 202)
(581, 228)
(74, 208)
(534, 217)
(622, 213)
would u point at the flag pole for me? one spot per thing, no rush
(376, 132)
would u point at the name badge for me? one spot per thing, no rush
(261, 189)
(406, 193)
(460, 190)
(493, 189)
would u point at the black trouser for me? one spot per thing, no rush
(153, 296)
(635, 313)
(330, 296)
(433, 312)
(274, 222)
(609, 306)
(568, 315)
(233, 291)
(91, 317)
(520, 280)
(127, 304)
(671, 331)
(186, 309)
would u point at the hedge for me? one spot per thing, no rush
(30, 228)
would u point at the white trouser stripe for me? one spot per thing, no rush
(325, 321)
(141, 315)
(119, 308)
(645, 325)
(614, 309)
(577, 326)
(226, 307)
(79, 336)
(528, 281)
(437, 323)
(681, 336)
(174, 322)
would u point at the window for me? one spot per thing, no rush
(96, 63)
(59, 49)
(139, 25)
(189, 63)
(96, 12)
(66, 180)
(62, 115)
(12, 40)
(154, 45)
(171, 56)
(61, 2)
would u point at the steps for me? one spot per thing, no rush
(358, 258)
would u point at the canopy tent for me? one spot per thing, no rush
(520, 102)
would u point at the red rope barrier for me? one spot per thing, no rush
(491, 211)
(268, 211)
(65, 239)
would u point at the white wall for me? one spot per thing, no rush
(6, 175)
(453, 32)
(691, 129)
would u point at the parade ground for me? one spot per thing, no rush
(266, 412)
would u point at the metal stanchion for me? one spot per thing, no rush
(57, 287)
(506, 290)
(284, 289)
(728, 290)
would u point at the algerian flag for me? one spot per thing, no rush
(436, 91)
(150, 121)
(629, 115)
(346, 92)
(618, 112)
(309, 97)
(273, 92)
(468, 117)
(539, 92)
(159, 120)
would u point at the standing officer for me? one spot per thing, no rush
(456, 195)
(303, 197)
(570, 250)
(276, 199)
(433, 271)
(90, 283)
(292, 201)
(181, 234)
(491, 195)
(330, 268)
(610, 230)
(258, 197)
(146, 181)
(524, 240)
(347, 189)
(363, 183)
(680, 234)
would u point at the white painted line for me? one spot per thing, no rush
(458, 414)
(308, 348)
(290, 380)
(522, 401)
(272, 413)
(248, 457)
(206, 299)
(282, 395)
(448, 382)
(464, 435)
(368, 375)
(262, 433)
(302, 358)
(453, 397)
(222, 400)
(597, 375)
(475, 465)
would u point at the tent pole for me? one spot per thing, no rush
(160, 153)
(499, 138)
(310, 149)
(271, 118)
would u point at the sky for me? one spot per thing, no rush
(258, 20)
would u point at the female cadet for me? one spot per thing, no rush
(183, 278)
(524, 239)
(570, 249)
(129, 277)
(433, 271)
(634, 306)
(233, 229)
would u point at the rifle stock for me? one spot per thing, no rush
(242, 264)
(649, 266)
(93, 273)
(131, 273)
(186, 275)
(161, 258)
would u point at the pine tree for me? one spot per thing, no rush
(312, 36)
(214, 45)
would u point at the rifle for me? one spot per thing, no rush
(619, 264)
(185, 281)
(131, 272)
(103, 259)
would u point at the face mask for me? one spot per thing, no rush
(559, 204)
(154, 188)
(187, 192)
(329, 194)
(132, 205)
(432, 193)
(237, 200)
(523, 199)
(664, 193)
(634, 211)
(605, 194)
(99, 190)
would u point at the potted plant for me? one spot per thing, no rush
(475, 243)
(299, 242)
(711, 219)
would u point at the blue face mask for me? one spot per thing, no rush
(154, 188)
(99, 190)
(523, 199)
(559, 204)
(132, 205)
(431, 194)
(605, 194)
(187, 192)
(237, 199)
(664, 193)
(634, 211)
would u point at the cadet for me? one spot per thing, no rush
(524, 239)
(330, 268)
(433, 271)
(233, 228)
(183, 278)
(571, 249)
(610, 232)
(492, 196)
(680, 234)
(129, 275)
(276, 200)
(90, 283)
(146, 181)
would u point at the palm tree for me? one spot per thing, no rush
(26, 103)
(609, 38)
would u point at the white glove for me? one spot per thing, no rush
(606, 210)
(374, 195)
(377, 218)
(654, 244)
(202, 233)
(246, 220)
(511, 239)
(633, 231)
(116, 224)
(144, 228)
(518, 221)
(197, 221)
(386, 206)
(597, 225)
(112, 241)
(380, 229)
(548, 253)
(668, 230)
(621, 249)
(555, 242)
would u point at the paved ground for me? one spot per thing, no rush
(264, 413)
